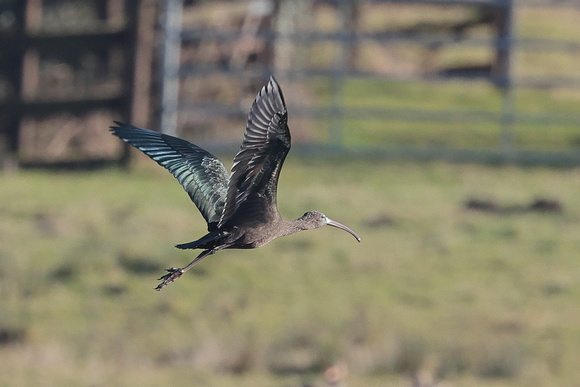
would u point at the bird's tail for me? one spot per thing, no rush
(208, 241)
(189, 245)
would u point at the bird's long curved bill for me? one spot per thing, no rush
(333, 223)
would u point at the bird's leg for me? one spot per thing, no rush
(174, 273)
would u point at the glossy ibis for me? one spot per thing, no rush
(240, 209)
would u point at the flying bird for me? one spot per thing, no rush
(240, 208)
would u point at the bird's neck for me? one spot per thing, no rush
(289, 227)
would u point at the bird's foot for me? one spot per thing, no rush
(173, 274)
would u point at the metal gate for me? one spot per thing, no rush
(210, 65)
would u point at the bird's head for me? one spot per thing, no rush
(316, 219)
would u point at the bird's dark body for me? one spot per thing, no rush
(241, 210)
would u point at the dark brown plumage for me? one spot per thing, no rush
(240, 210)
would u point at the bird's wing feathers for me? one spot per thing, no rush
(203, 176)
(253, 184)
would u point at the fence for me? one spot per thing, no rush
(67, 70)
(238, 53)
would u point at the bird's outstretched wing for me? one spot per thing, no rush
(253, 184)
(203, 176)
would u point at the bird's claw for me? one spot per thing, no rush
(173, 274)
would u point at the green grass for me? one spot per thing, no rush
(473, 298)
(455, 115)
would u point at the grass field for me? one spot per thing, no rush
(435, 291)
(486, 298)
(453, 115)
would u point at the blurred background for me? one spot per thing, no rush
(444, 132)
